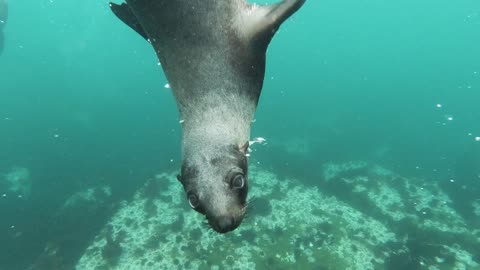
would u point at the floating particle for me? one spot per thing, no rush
(4, 195)
(181, 121)
(258, 140)
(167, 86)
(439, 105)
(56, 135)
(477, 139)
(452, 180)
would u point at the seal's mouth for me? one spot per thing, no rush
(226, 223)
(223, 224)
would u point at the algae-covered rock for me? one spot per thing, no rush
(293, 226)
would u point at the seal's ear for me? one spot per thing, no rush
(244, 148)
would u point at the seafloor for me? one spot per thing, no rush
(358, 216)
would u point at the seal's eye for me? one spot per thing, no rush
(193, 200)
(238, 181)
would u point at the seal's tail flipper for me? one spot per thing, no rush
(124, 13)
(261, 22)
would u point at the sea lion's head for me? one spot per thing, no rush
(216, 185)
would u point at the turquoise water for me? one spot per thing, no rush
(83, 104)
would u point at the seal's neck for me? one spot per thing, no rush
(219, 119)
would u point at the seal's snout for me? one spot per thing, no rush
(223, 224)
(226, 224)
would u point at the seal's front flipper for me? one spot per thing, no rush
(124, 13)
(261, 22)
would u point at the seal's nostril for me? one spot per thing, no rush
(226, 223)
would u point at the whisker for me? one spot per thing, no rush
(246, 210)
(248, 204)
(252, 199)
(205, 224)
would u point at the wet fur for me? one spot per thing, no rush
(213, 55)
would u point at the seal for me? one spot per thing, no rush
(3, 21)
(213, 55)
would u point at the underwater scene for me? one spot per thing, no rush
(363, 153)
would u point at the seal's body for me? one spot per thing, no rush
(213, 55)
(3, 21)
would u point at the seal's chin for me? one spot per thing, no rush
(224, 224)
